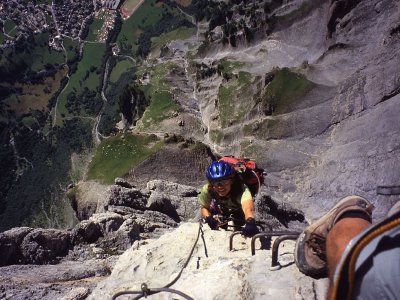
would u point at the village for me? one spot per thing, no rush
(20, 20)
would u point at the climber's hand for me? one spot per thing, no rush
(250, 228)
(212, 222)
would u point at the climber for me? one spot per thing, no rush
(360, 259)
(226, 198)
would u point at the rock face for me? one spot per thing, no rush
(338, 135)
(183, 162)
(213, 272)
(67, 280)
(131, 217)
(128, 215)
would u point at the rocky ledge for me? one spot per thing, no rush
(68, 264)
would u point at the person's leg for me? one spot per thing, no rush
(311, 246)
(368, 267)
(339, 237)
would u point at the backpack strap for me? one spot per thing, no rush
(344, 280)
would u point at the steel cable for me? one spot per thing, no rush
(147, 291)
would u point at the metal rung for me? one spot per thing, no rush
(262, 234)
(270, 234)
(275, 265)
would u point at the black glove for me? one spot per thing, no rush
(250, 228)
(212, 222)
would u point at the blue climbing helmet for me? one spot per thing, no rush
(219, 170)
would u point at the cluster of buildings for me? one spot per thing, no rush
(59, 18)
(21, 20)
(111, 4)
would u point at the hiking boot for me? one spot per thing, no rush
(310, 254)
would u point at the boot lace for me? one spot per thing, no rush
(317, 245)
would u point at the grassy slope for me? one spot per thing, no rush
(178, 34)
(235, 98)
(121, 67)
(285, 89)
(42, 55)
(93, 54)
(147, 15)
(33, 96)
(161, 105)
(117, 155)
(94, 29)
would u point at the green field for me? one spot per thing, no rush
(93, 55)
(71, 47)
(161, 105)
(86, 76)
(229, 66)
(29, 121)
(117, 155)
(9, 28)
(178, 34)
(41, 55)
(234, 98)
(37, 55)
(94, 29)
(147, 15)
(158, 74)
(120, 68)
(2, 37)
(32, 97)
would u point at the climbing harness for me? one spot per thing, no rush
(145, 290)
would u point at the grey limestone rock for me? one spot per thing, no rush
(129, 197)
(109, 222)
(10, 242)
(172, 188)
(87, 232)
(182, 199)
(123, 182)
(43, 246)
(162, 203)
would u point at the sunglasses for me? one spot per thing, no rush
(221, 182)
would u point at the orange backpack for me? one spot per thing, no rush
(248, 172)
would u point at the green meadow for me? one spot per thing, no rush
(87, 75)
(285, 89)
(94, 29)
(161, 105)
(149, 13)
(120, 68)
(117, 155)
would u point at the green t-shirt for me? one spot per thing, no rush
(230, 202)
